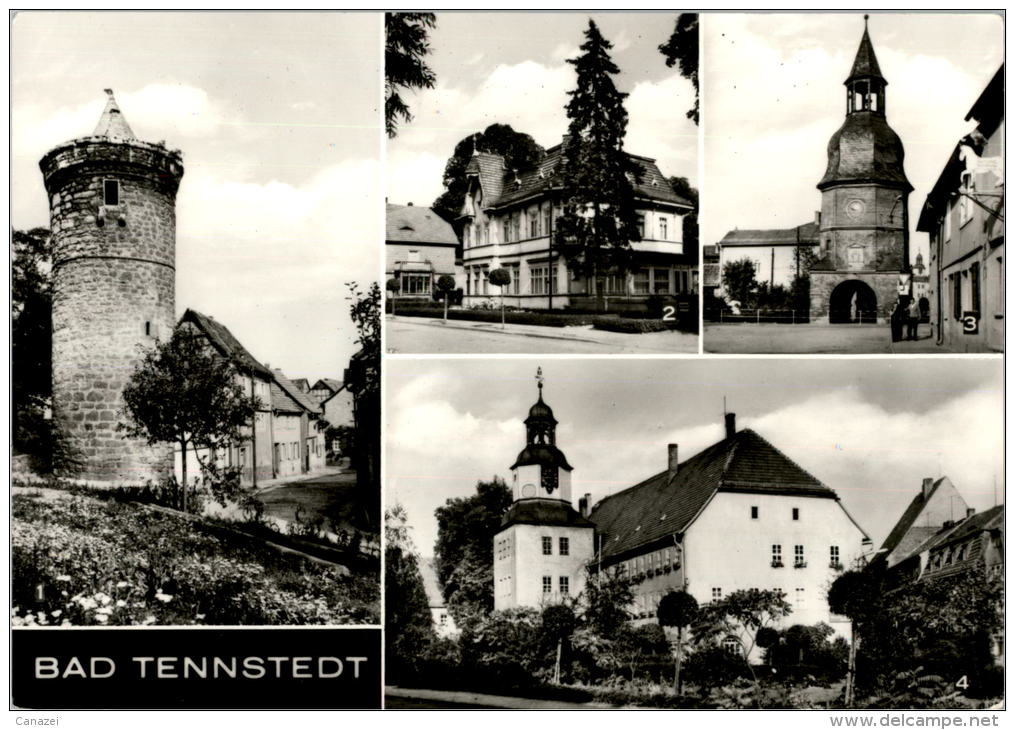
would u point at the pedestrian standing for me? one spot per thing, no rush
(898, 313)
(912, 319)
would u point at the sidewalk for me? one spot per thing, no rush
(445, 698)
(266, 485)
(401, 331)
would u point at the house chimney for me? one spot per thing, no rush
(817, 218)
(928, 482)
(673, 463)
(409, 203)
(970, 511)
(585, 504)
(731, 425)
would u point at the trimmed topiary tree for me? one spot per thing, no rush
(393, 285)
(501, 278)
(444, 285)
(680, 609)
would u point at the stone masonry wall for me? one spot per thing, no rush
(113, 294)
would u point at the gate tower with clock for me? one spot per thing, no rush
(864, 238)
(544, 545)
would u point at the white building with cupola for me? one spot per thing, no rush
(543, 548)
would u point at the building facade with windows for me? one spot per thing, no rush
(778, 255)
(737, 515)
(543, 548)
(964, 217)
(419, 247)
(508, 222)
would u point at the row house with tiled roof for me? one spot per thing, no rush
(738, 515)
(419, 248)
(508, 220)
(777, 254)
(286, 435)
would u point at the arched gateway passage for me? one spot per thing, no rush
(853, 301)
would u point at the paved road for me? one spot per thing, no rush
(401, 698)
(332, 496)
(432, 336)
(813, 339)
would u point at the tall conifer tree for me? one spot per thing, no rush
(599, 219)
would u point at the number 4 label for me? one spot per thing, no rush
(963, 682)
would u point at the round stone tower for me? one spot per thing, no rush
(112, 202)
(864, 202)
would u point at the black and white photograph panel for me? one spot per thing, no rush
(860, 165)
(195, 319)
(541, 183)
(715, 533)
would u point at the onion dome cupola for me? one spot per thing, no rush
(865, 149)
(541, 469)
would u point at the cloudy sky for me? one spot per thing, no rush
(773, 94)
(869, 428)
(277, 116)
(511, 68)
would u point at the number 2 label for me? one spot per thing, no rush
(669, 313)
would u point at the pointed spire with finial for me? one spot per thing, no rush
(539, 381)
(111, 123)
(866, 63)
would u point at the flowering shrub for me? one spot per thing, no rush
(81, 561)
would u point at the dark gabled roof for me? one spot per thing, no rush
(281, 402)
(657, 507)
(227, 345)
(905, 522)
(991, 519)
(303, 400)
(330, 383)
(865, 65)
(806, 233)
(415, 224)
(543, 512)
(512, 187)
(988, 109)
(302, 384)
(488, 168)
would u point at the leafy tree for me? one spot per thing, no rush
(855, 594)
(740, 616)
(606, 600)
(599, 219)
(682, 187)
(445, 284)
(518, 149)
(559, 622)
(463, 555)
(682, 48)
(183, 393)
(738, 280)
(501, 278)
(679, 609)
(406, 606)
(393, 286)
(800, 288)
(363, 379)
(407, 43)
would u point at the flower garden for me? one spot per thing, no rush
(79, 560)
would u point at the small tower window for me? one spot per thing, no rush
(148, 329)
(565, 546)
(547, 545)
(111, 192)
(796, 513)
(754, 513)
(547, 584)
(565, 584)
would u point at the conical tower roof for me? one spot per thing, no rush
(111, 123)
(865, 65)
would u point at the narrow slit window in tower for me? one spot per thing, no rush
(111, 192)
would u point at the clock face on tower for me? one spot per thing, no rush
(855, 208)
(529, 490)
(549, 478)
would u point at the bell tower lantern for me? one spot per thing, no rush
(541, 471)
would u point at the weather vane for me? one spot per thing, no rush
(539, 379)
